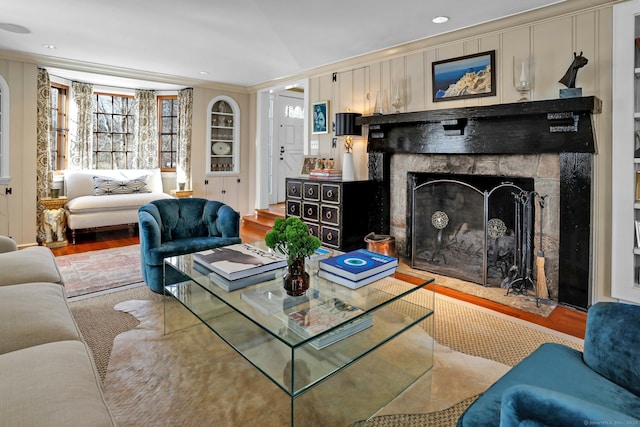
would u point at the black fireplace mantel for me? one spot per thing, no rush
(551, 126)
(561, 126)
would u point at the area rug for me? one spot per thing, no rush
(95, 271)
(153, 379)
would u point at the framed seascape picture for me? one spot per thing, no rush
(320, 117)
(469, 76)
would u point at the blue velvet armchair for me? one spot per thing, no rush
(559, 386)
(172, 227)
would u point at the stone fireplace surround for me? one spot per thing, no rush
(551, 141)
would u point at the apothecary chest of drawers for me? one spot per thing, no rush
(339, 213)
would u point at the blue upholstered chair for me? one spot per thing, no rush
(171, 227)
(559, 386)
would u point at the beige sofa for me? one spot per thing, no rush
(48, 377)
(89, 207)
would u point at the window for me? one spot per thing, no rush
(168, 132)
(113, 118)
(59, 126)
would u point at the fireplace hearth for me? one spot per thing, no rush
(550, 142)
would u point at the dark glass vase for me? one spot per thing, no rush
(296, 279)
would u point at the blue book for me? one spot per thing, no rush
(358, 264)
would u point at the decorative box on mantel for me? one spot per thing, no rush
(563, 127)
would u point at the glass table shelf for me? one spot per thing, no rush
(256, 322)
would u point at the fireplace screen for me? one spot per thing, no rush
(475, 228)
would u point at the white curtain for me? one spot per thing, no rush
(144, 146)
(185, 114)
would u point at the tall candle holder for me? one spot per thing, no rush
(522, 76)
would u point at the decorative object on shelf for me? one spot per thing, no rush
(469, 76)
(569, 78)
(522, 76)
(397, 100)
(346, 126)
(320, 117)
(291, 237)
(378, 109)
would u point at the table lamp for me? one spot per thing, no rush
(346, 126)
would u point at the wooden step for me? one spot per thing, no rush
(262, 221)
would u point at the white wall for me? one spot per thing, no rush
(550, 40)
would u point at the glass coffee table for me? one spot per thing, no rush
(351, 378)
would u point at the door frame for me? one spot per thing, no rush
(264, 126)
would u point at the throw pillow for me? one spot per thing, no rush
(104, 186)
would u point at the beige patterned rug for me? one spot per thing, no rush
(94, 271)
(192, 378)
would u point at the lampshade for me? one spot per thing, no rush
(346, 124)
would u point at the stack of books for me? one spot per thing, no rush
(326, 174)
(238, 266)
(357, 268)
(309, 322)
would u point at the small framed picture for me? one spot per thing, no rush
(469, 76)
(308, 163)
(320, 117)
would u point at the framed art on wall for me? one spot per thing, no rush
(320, 117)
(469, 76)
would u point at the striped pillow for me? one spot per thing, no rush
(105, 186)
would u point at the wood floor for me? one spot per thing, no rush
(562, 319)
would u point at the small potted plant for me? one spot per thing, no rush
(291, 237)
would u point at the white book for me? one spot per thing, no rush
(238, 261)
(637, 234)
(355, 284)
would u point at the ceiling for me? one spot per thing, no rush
(240, 42)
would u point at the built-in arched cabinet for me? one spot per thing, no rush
(222, 177)
(223, 136)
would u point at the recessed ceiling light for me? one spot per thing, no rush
(440, 19)
(13, 28)
(49, 46)
(204, 73)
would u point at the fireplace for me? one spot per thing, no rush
(549, 143)
(472, 227)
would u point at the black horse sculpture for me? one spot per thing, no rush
(569, 78)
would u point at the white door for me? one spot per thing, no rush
(288, 147)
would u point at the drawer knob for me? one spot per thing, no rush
(292, 208)
(294, 190)
(310, 211)
(310, 191)
(311, 232)
(328, 215)
(330, 193)
(330, 236)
